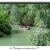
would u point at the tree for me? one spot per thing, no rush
(5, 28)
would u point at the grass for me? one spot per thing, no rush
(23, 38)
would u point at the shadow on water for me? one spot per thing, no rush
(13, 32)
(5, 36)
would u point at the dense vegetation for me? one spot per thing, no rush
(35, 15)
(27, 14)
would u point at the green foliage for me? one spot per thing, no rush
(39, 37)
(37, 15)
(13, 14)
(42, 39)
(5, 28)
(48, 22)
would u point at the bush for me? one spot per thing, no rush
(48, 22)
(28, 21)
(40, 38)
(5, 28)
